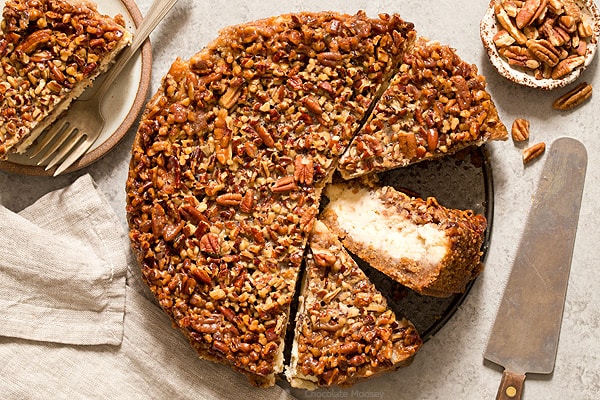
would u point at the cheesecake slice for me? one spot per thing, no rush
(345, 332)
(436, 104)
(50, 51)
(423, 245)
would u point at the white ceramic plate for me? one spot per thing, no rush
(489, 27)
(122, 103)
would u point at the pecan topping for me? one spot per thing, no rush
(573, 97)
(430, 109)
(237, 144)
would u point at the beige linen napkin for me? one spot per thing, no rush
(48, 284)
(154, 361)
(62, 267)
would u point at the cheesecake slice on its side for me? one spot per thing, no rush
(423, 245)
(50, 51)
(345, 331)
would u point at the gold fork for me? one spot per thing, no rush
(71, 136)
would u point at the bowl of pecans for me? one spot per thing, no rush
(543, 44)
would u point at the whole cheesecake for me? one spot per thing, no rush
(229, 163)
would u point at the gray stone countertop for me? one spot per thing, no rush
(450, 365)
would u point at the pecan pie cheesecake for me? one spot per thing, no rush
(435, 105)
(228, 165)
(345, 332)
(423, 245)
(50, 51)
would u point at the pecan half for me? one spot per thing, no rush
(567, 66)
(519, 56)
(544, 51)
(324, 258)
(210, 243)
(574, 97)
(247, 203)
(284, 184)
(526, 14)
(533, 152)
(304, 170)
(230, 97)
(312, 105)
(35, 40)
(229, 199)
(520, 130)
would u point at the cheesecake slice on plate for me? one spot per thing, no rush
(50, 51)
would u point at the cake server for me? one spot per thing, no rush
(524, 337)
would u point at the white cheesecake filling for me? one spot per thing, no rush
(365, 219)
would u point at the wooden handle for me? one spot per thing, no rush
(511, 386)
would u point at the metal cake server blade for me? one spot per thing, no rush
(524, 337)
